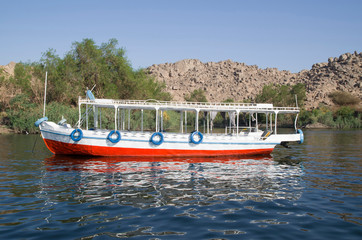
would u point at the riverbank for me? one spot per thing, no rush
(5, 130)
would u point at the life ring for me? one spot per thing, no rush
(114, 140)
(39, 121)
(196, 141)
(157, 138)
(76, 138)
(301, 136)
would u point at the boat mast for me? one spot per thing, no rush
(45, 91)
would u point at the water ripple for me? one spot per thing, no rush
(311, 191)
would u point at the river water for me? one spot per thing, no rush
(312, 191)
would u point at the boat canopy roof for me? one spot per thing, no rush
(152, 104)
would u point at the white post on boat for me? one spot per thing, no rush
(129, 119)
(115, 117)
(208, 122)
(100, 118)
(45, 91)
(197, 120)
(275, 123)
(86, 114)
(204, 125)
(271, 121)
(229, 113)
(249, 121)
(80, 112)
(181, 122)
(161, 121)
(95, 116)
(156, 119)
(86, 111)
(118, 119)
(185, 121)
(123, 119)
(266, 121)
(237, 122)
(295, 122)
(256, 121)
(141, 120)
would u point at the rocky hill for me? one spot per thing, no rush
(232, 80)
(238, 81)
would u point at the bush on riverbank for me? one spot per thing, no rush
(346, 115)
(343, 117)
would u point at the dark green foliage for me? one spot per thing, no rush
(105, 66)
(343, 117)
(23, 114)
(282, 95)
(229, 100)
(198, 95)
(56, 111)
(85, 66)
(22, 77)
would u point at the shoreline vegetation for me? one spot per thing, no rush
(106, 67)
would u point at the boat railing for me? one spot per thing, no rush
(204, 106)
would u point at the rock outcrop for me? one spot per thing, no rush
(232, 80)
(8, 69)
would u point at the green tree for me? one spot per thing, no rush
(22, 77)
(84, 66)
(105, 66)
(282, 95)
(198, 95)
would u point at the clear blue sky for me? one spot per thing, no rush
(289, 35)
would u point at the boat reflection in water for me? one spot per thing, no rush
(154, 182)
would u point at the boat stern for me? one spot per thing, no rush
(284, 139)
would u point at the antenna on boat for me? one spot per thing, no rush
(45, 91)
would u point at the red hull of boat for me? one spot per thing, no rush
(88, 150)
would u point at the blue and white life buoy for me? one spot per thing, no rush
(157, 138)
(77, 137)
(39, 121)
(114, 140)
(301, 136)
(196, 137)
